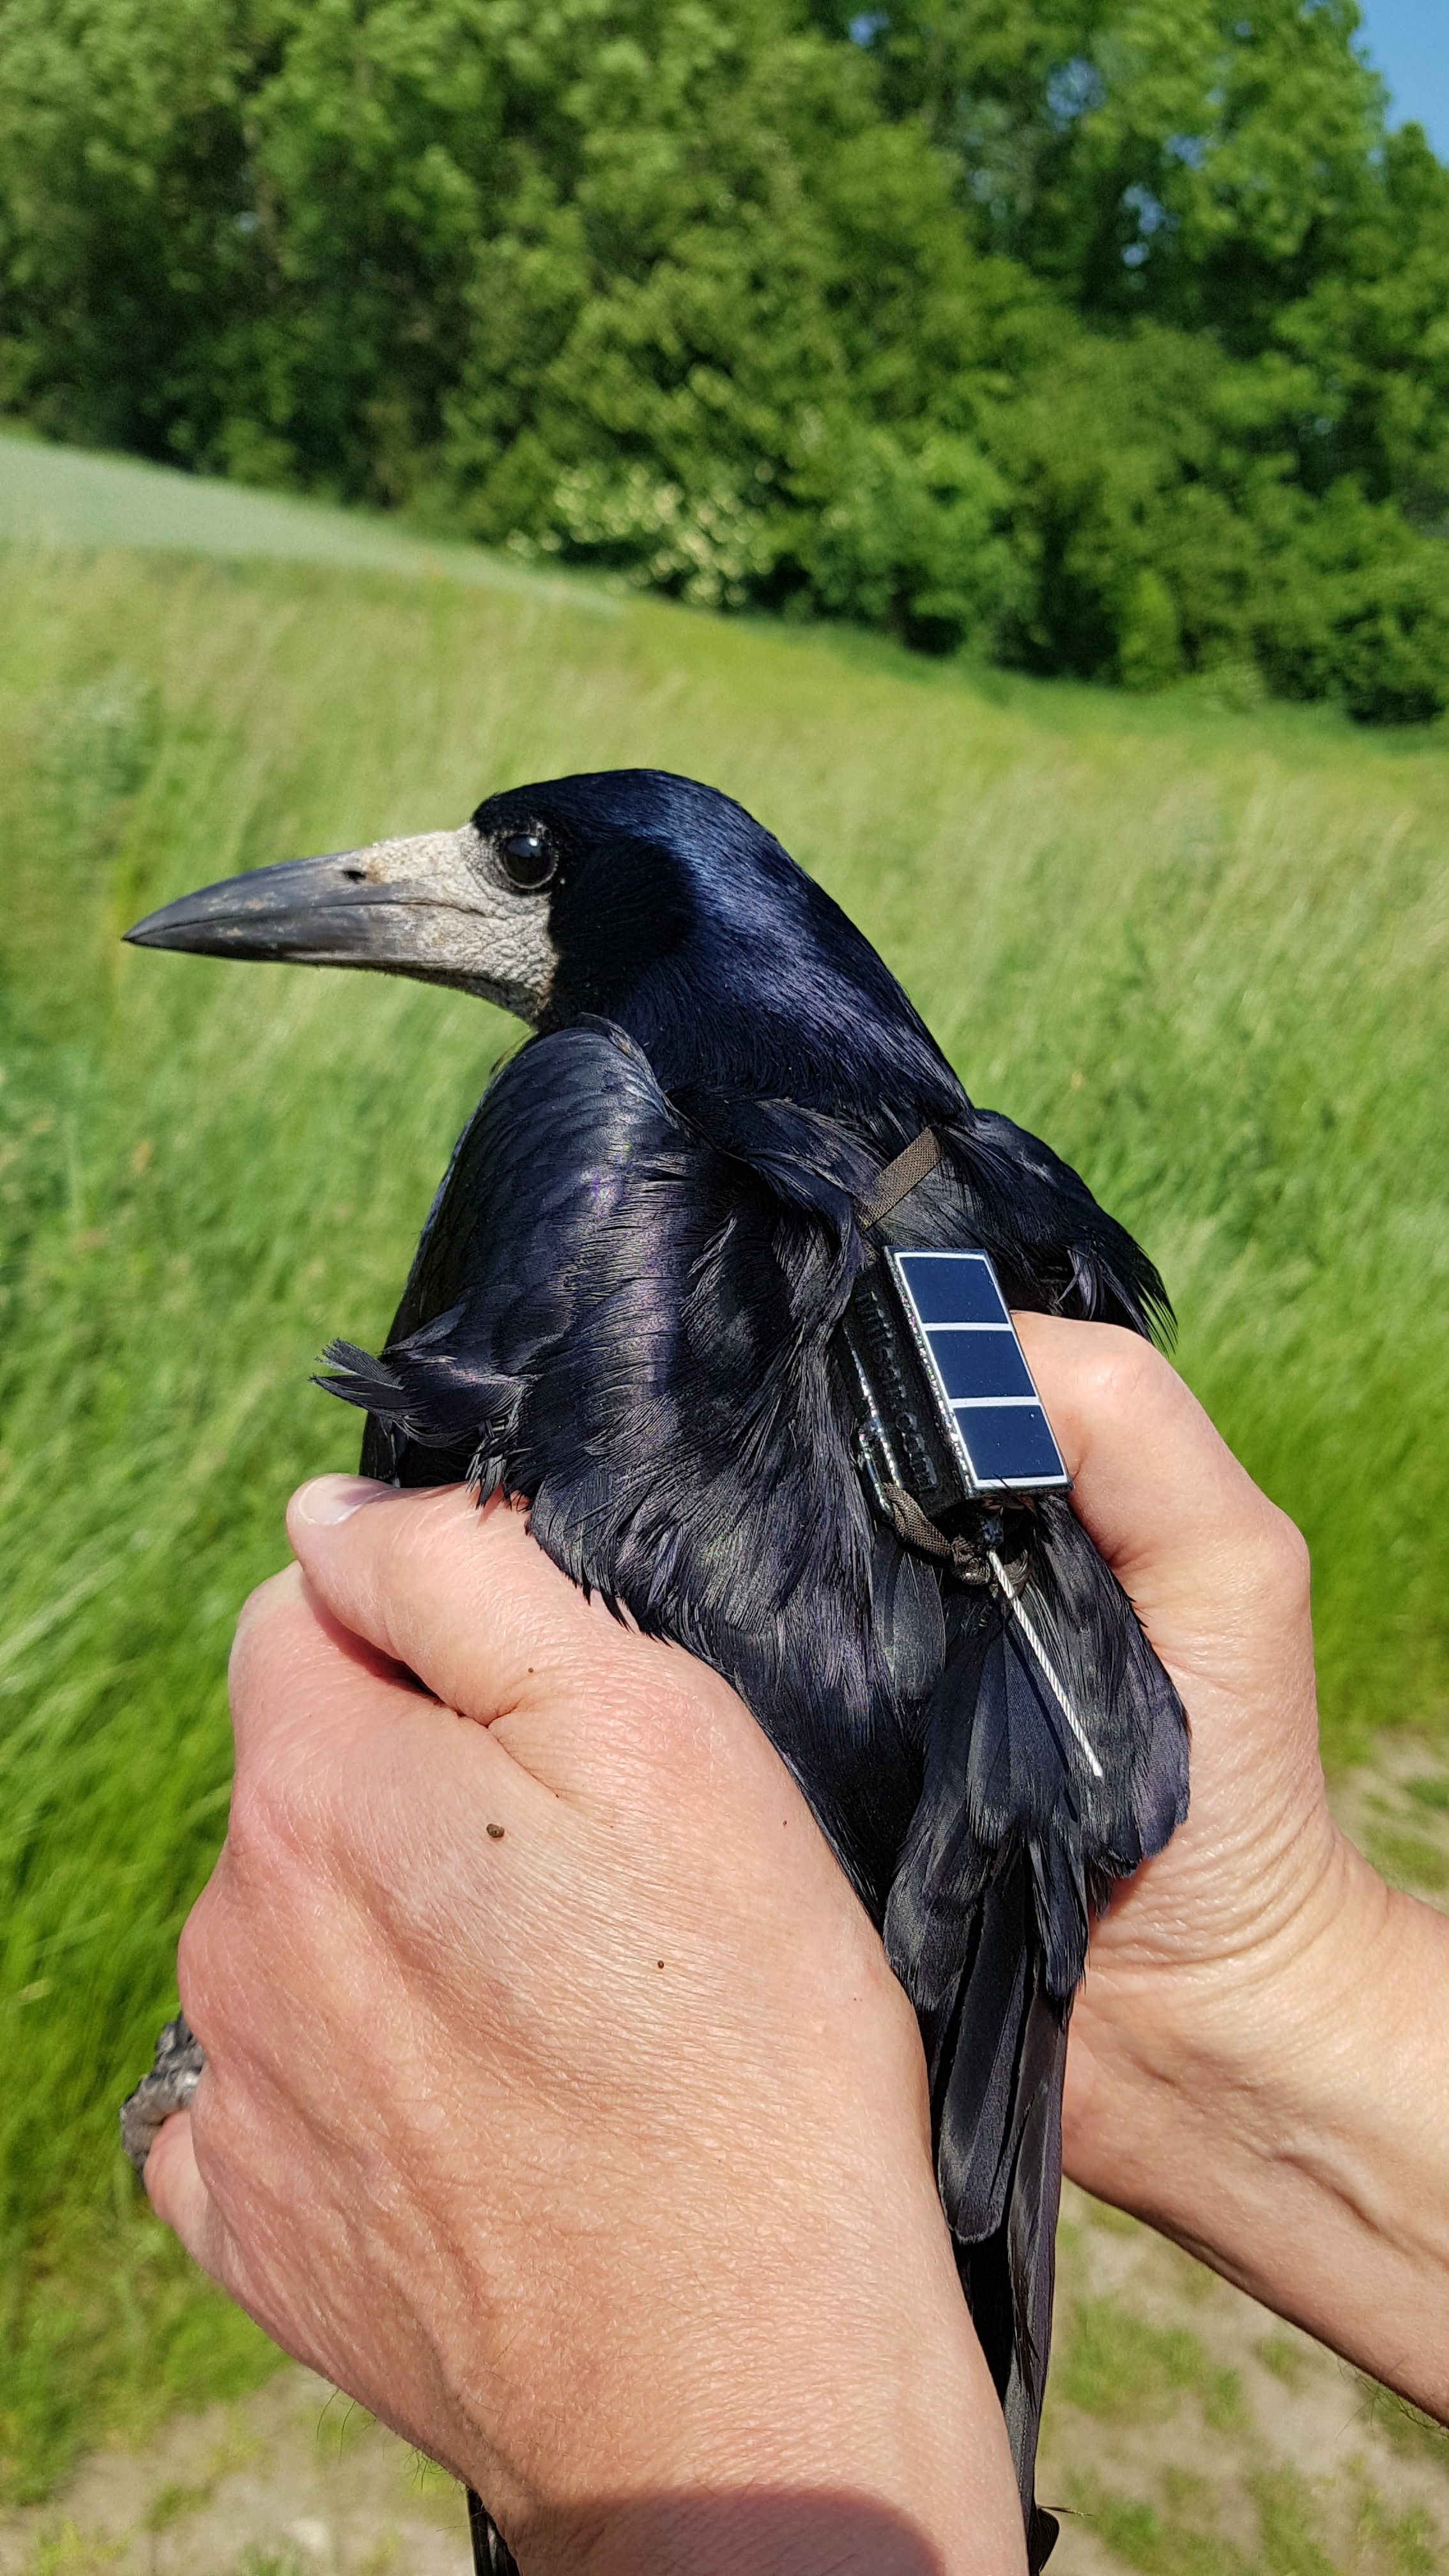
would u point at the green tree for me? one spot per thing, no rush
(1105, 334)
(1195, 161)
(122, 181)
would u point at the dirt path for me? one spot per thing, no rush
(293, 2481)
(1189, 2432)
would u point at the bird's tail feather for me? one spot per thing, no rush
(491, 2553)
(1025, 1819)
(996, 2054)
(1009, 2275)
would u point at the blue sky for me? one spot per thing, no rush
(1408, 41)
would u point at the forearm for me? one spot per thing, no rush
(1311, 2164)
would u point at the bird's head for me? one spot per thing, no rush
(645, 898)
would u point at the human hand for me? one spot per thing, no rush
(1219, 1578)
(1253, 2064)
(559, 2101)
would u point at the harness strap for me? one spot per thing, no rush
(900, 1177)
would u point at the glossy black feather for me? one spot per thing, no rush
(621, 1311)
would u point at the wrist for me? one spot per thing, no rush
(829, 2409)
(1279, 2117)
(766, 2532)
(1180, 2081)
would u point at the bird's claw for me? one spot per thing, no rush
(169, 2087)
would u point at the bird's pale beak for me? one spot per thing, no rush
(430, 908)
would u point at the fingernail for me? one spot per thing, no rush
(330, 1499)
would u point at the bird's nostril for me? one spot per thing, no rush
(355, 876)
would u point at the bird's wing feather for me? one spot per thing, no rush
(627, 1324)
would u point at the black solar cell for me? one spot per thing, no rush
(977, 1372)
(951, 1287)
(979, 1360)
(1011, 1446)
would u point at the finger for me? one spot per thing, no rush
(317, 1710)
(179, 2196)
(317, 1638)
(1160, 1491)
(466, 1600)
(469, 1601)
(334, 1677)
(1217, 1575)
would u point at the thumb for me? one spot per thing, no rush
(1216, 1573)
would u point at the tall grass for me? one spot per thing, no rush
(1204, 953)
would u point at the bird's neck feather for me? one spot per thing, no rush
(827, 1042)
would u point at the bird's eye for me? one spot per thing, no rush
(528, 860)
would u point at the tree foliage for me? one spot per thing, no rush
(1107, 336)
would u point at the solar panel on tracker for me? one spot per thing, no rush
(947, 1415)
(977, 1373)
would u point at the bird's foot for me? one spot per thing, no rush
(169, 2087)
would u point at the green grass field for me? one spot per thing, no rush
(1202, 951)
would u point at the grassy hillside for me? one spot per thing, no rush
(1203, 952)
